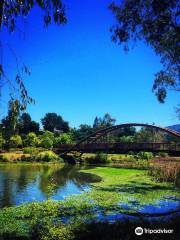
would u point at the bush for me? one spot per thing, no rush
(131, 153)
(63, 139)
(98, 158)
(31, 140)
(46, 142)
(145, 155)
(15, 141)
(163, 154)
(4, 158)
(30, 150)
(47, 156)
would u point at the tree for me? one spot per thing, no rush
(47, 140)
(31, 140)
(52, 11)
(26, 125)
(52, 121)
(149, 135)
(15, 141)
(106, 121)
(64, 138)
(157, 23)
(82, 132)
(127, 131)
(10, 122)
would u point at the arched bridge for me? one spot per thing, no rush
(92, 144)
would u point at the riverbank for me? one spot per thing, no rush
(113, 206)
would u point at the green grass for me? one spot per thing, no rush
(44, 220)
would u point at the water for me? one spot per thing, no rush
(21, 183)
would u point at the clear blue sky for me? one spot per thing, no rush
(79, 73)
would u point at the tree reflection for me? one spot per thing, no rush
(27, 180)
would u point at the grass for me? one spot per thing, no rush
(74, 218)
(13, 156)
(32, 155)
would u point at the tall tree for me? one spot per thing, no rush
(105, 121)
(82, 132)
(157, 23)
(10, 122)
(52, 122)
(26, 125)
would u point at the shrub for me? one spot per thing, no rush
(63, 139)
(145, 155)
(30, 150)
(98, 158)
(131, 153)
(47, 156)
(46, 142)
(4, 158)
(15, 141)
(163, 154)
(31, 140)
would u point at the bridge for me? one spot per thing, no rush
(97, 142)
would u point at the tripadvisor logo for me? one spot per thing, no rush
(140, 231)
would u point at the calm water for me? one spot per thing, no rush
(21, 183)
(30, 182)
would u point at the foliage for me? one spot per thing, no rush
(168, 172)
(106, 121)
(126, 139)
(98, 158)
(9, 123)
(64, 138)
(163, 154)
(127, 131)
(46, 156)
(30, 150)
(46, 142)
(149, 135)
(13, 157)
(157, 23)
(26, 125)
(52, 122)
(53, 11)
(145, 155)
(31, 140)
(2, 140)
(15, 141)
(82, 132)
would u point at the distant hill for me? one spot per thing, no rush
(175, 127)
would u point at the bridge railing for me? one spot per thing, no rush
(119, 146)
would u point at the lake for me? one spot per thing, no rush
(21, 183)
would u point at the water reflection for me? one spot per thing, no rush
(25, 183)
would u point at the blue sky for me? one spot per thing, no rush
(79, 73)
